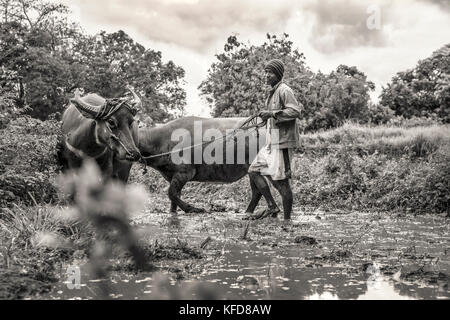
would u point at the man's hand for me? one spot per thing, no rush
(265, 115)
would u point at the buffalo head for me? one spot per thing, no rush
(114, 121)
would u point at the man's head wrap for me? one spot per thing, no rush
(276, 66)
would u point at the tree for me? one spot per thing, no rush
(235, 84)
(8, 110)
(330, 100)
(423, 90)
(34, 14)
(49, 57)
(32, 34)
(113, 60)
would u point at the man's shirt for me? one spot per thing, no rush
(287, 111)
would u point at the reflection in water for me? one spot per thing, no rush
(323, 296)
(382, 289)
(272, 266)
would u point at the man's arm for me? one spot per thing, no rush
(292, 108)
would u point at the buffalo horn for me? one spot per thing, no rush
(83, 105)
(137, 103)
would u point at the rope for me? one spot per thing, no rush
(251, 119)
(113, 136)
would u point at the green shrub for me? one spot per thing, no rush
(378, 114)
(8, 110)
(375, 168)
(416, 142)
(28, 162)
(414, 121)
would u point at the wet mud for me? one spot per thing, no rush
(317, 256)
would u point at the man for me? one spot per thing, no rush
(274, 160)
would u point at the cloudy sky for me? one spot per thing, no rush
(380, 37)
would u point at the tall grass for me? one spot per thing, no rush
(39, 225)
(376, 168)
(28, 161)
(417, 142)
(34, 241)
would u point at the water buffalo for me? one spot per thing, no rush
(157, 140)
(102, 129)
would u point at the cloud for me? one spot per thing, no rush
(329, 33)
(193, 24)
(342, 25)
(202, 25)
(443, 4)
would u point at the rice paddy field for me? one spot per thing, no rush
(370, 221)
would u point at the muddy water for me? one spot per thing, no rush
(317, 256)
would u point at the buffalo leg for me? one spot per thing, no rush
(284, 188)
(173, 204)
(176, 185)
(256, 196)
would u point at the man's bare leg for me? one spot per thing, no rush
(261, 183)
(284, 188)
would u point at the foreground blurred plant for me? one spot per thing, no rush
(105, 206)
(34, 241)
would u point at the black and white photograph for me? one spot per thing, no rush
(224, 156)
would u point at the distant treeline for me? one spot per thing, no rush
(43, 57)
(235, 81)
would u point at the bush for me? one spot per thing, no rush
(423, 121)
(8, 110)
(378, 114)
(415, 142)
(381, 168)
(28, 162)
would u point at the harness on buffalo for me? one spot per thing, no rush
(103, 113)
